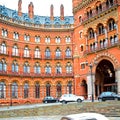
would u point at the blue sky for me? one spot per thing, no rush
(41, 7)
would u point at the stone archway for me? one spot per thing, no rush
(105, 77)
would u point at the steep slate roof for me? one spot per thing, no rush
(37, 19)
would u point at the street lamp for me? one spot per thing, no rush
(91, 66)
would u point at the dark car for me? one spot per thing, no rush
(108, 96)
(50, 99)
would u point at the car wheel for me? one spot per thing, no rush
(46, 102)
(116, 99)
(64, 102)
(79, 100)
(100, 100)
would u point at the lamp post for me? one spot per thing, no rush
(91, 66)
(10, 94)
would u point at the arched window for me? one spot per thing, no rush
(37, 69)
(91, 33)
(47, 69)
(57, 40)
(58, 69)
(4, 33)
(81, 48)
(37, 39)
(68, 68)
(101, 44)
(26, 37)
(37, 53)
(26, 68)
(69, 87)
(26, 52)
(68, 52)
(47, 40)
(58, 53)
(3, 48)
(14, 90)
(15, 50)
(3, 66)
(26, 90)
(47, 53)
(14, 67)
(59, 90)
(2, 90)
(111, 25)
(68, 39)
(101, 29)
(48, 86)
(15, 35)
(37, 90)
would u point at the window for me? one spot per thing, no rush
(68, 68)
(15, 35)
(47, 53)
(15, 50)
(37, 53)
(14, 90)
(37, 90)
(69, 87)
(111, 25)
(48, 86)
(83, 66)
(37, 68)
(90, 33)
(80, 34)
(59, 90)
(3, 48)
(81, 48)
(26, 37)
(26, 90)
(58, 69)
(48, 69)
(58, 53)
(80, 19)
(2, 90)
(101, 29)
(4, 33)
(37, 39)
(57, 39)
(47, 40)
(14, 67)
(68, 52)
(68, 40)
(26, 68)
(26, 52)
(3, 66)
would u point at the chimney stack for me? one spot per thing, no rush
(31, 10)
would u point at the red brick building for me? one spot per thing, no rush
(42, 56)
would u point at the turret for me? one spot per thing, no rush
(20, 7)
(62, 12)
(52, 12)
(31, 10)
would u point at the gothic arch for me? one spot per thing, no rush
(106, 56)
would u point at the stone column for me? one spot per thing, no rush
(91, 83)
(117, 77)
(106, 36)
(96, 41)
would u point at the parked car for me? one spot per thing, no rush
(85, 116)
(70, 98)
(108, 96)
(50, 99)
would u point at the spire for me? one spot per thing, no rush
(31, 10)
(62, 12)
(20, 7)
(52, 12)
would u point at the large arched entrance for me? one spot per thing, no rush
(105, 77)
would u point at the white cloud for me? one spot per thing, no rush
(41, 7)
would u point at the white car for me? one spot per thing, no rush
(85, 116)
(70, 98)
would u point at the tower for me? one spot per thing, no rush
(20, 7)
(31, 10)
